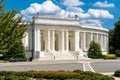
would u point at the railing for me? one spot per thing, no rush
(75, 54)
(51, 54)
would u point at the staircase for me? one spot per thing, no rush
(73, 55)
(63, 56)
(47, 56)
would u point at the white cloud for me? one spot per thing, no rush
(17, 15)
(33, 9)
(96, 13)
(93, 22)
(74, 9)
(104, 4)
(72, 3)
(49, 7)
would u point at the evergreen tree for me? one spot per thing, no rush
(111, 48)
(94, 50)
(111, 32)
(16, 52)
(11, 29)
(116, 36)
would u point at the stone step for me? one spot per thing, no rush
(63, 56)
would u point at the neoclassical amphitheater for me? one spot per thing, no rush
(50, 38)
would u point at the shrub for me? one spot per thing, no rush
(117, 52)
(110, 56)
(11, 77)
(94, 50)
(78, 71)
(52, 75)
(96, 76)
(111, 50)
(117, 73)
(1, 77)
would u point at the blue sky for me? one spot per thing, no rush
(91, 12)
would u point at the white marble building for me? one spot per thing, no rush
(51, 38)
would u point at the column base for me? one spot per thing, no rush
(37, 54)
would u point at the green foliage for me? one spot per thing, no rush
(53, 75)
(111, 50)
(116, 35)
(111, 32)
(96, 76)
(114, 39)
(16, 53)
(110, 56)
(117, 73)
(78, 71)
(117, 52)
(11, 31)
(94, 50)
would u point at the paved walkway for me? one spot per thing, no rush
(62, 64)
(86, 61)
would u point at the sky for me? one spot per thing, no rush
(100, 13)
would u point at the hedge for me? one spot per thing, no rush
(109, 56)
(54, 75)
(117, 73)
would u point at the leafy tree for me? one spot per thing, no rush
(16, 52)
(116, 36)
(117, 52)
(94, 50)
(11, 29)
(111, 50)
(111, 32)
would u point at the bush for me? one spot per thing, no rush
(117, 73)
(52, 75)
(110, 56)
(94, 50)
(96, 76)
(111, 50)
(117, 52)
(78, 71)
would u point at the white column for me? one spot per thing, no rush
(76, 40)
(84, 40)
(53, 40)
(97, 37)
(107, 44)
(67, 41)
(48, 40)
(37, 46)
(37, 40)
(62, 47)
(91, 36)
(30, 39)
(102, 42)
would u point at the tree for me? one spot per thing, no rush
(11, 29)
(16, 52)
(111, 32)
(116, 36)
(111, 48)
(94, 50)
